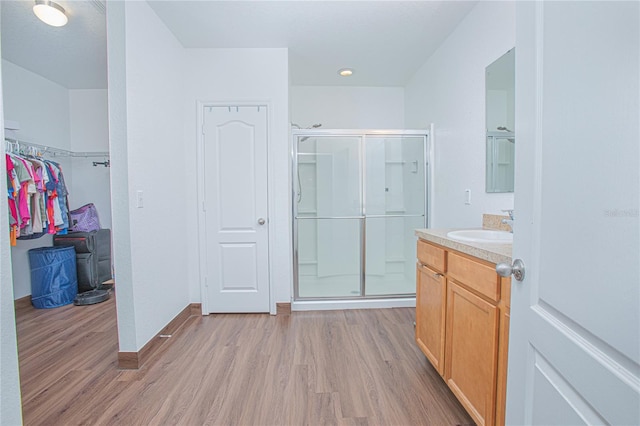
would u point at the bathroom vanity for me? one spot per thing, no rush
(462, 319)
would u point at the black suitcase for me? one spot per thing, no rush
(93, 256)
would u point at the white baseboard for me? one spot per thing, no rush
(333, 305)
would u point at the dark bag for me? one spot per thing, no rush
(93, 256)
(85, 219)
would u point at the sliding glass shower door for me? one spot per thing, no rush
(329, 216)
(357, 200)
(395, 200)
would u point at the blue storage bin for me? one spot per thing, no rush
(54, 280)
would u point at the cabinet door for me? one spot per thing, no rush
(472, 352)
(430, 315)
(503, 351)
(501, 394)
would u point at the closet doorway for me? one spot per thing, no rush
(234, 197)
(54, 98)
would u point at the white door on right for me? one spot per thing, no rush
(574, 355)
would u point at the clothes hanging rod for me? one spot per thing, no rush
(106, 163)
(55, 151)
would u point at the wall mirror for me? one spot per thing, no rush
(500, 122)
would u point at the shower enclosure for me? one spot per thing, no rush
(358, 196)
(500, 161)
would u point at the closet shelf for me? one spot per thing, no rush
(59, 152)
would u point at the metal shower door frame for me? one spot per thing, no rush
(362, 134)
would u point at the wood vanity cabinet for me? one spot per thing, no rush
(431, 295)
(462, 320)
(503, 350)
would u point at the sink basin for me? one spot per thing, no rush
(482, 236)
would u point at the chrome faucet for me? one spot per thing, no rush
(510, 220)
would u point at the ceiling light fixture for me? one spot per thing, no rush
(345, 72)
(50, 13)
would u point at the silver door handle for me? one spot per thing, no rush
(261, 221)
(506, 270)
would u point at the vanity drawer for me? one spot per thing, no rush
(477, 276)
(432, 256)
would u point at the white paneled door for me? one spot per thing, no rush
(235, 208)
(574, 348)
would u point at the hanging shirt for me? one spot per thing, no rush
(57, 213)
(12, 192)
(45, 195)
(38, 213)
(51, 196)
(28, 190)
(22, 202)
(62, 192)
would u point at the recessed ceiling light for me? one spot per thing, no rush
(345, 72)
(50, 13)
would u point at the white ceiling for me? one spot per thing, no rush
(385, 42)
(74, 56)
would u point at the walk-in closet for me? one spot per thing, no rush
(54, 94)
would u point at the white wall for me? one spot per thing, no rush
(154, 86)
(90, 133)
(342, 107)
(117, 96)
(251, 75)
(10, 404)
(448, 90)
(151, 243)
(39, 105)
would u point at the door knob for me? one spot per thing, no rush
(506, 270)
(261, 221)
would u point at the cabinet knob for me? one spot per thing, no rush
(261, 221)
(506, 270)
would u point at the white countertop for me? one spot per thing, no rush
(491, 252)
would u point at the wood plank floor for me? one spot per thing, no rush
(357, 367)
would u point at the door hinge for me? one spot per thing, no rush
(204, 207)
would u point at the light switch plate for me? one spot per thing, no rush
(139, 199)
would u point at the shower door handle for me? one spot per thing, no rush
(261, 221)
